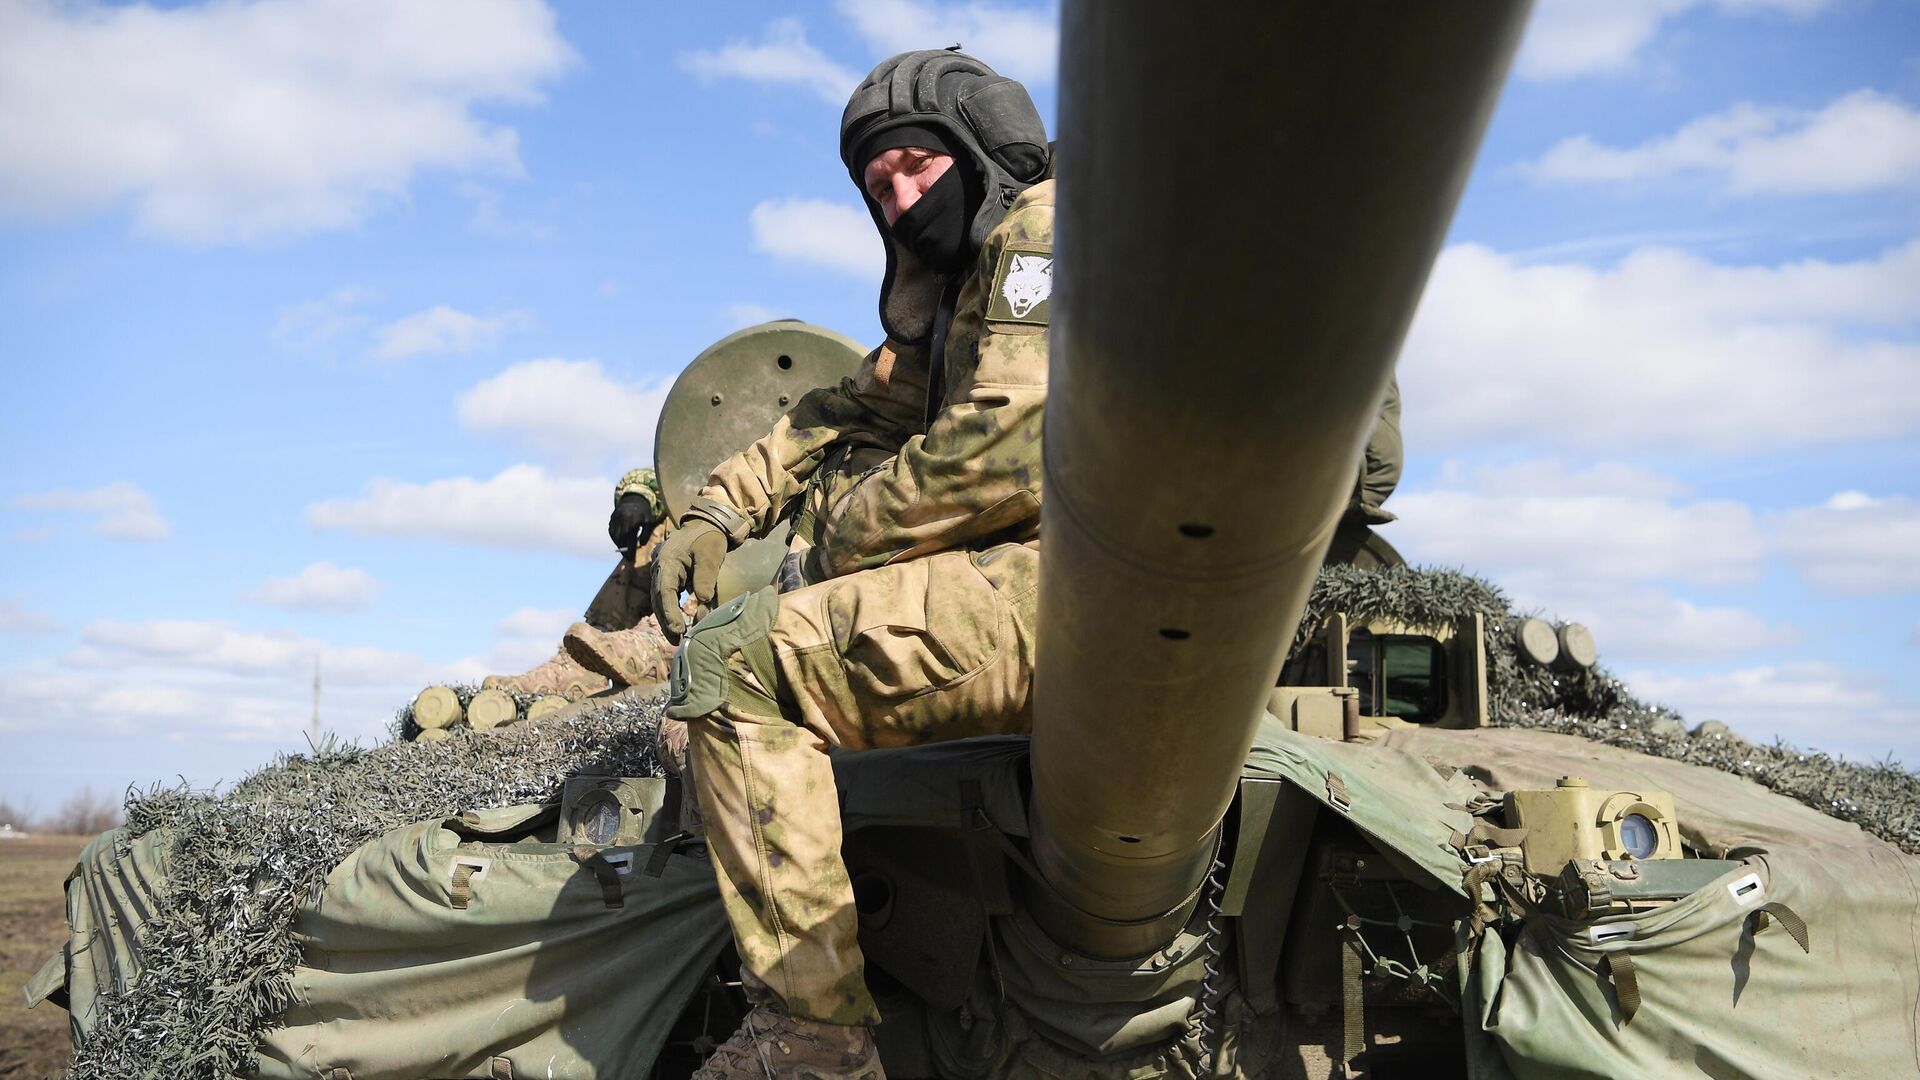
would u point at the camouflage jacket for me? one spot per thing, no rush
(968, 478)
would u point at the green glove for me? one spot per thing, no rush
(687, 560)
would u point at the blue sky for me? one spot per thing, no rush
(329, 323)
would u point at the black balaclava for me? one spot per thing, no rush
(999, 147)
(935, 227)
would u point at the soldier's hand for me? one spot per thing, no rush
(687, 561)
(633, 517)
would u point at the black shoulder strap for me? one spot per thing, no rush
(937, 350)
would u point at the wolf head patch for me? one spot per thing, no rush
(1022, 285)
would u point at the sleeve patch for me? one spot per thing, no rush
(1022, 285)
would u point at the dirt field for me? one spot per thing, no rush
(33, 923)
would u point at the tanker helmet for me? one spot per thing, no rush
(991, 128)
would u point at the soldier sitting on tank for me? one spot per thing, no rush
(913, 618)
(617, 637)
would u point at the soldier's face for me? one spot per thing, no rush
(897, 178)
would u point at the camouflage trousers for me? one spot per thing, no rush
(922, 651)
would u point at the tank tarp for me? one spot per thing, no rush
(216, 881)
(111, 896)
(1397, 798)
(1725, 987)
(537, 968)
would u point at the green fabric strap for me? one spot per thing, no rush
(1484, 914)
(1626, 985)
(1489, 835)
(1795, 925)
(1352, 998)
(461, 893)
(604, 872)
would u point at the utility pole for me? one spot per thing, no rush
(314, 735)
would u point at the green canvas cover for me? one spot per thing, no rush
(539, 968)
(1398, 799)
(539, 972)
(110, 897)
(1725, 988)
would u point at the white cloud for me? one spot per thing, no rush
(79, 703)
(1862, 142)
(1613, 524)
(213, 646)
(1018, 41)
(1550, 476)
(570, 410)
(320, 586)
(119, 510)
(541, 623)
(742, 315)
(1581, 37)
(17, 618)
(440, 330)
(820, 233)
(522, 508)
(1664, 350)
(1597, 545)
(1634, 623)
(243, 121)
(783, 55)
(310, 324)
(200, 707)
(1855, 543)
(1812, 705)
(526, 637)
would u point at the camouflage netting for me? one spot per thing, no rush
(1882, 798)
(218, 952)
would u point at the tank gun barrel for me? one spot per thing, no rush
(1230, 297)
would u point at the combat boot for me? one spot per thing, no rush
(628, 657)
(559, 675)
(771, 1045)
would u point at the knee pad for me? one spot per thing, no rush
(700, 681)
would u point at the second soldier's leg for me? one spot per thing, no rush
(621, 602)
(618, 636)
